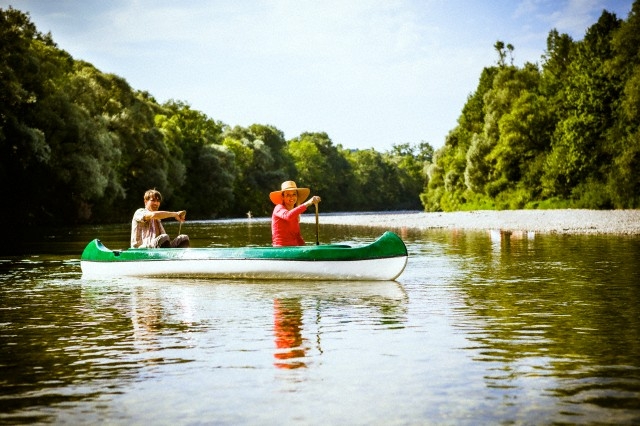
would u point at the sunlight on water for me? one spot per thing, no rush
(481, 328)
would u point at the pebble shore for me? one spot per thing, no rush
(567, 221)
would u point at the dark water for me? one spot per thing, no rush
(530, 329)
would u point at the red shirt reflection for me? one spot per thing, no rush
(288, 334)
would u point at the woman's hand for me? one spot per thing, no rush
(313, 200)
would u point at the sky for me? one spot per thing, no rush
(369, 73)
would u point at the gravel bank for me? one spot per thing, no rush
(568, 221)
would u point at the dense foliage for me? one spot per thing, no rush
(565, 133)
(79, 145)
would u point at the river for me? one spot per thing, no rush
(481, 328)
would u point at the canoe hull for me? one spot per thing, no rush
(385, 259)
(361, 270)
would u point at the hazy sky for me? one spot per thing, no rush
(370, 73)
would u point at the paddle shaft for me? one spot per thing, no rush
(317, 226)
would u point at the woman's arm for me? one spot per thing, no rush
(281, 211)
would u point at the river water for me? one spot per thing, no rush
(481, 328)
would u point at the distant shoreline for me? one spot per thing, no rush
(566, 221)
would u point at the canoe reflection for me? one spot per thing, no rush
(162, 320)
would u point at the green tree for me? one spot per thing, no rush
(203, 170)
(51, 137)
(411, 163)
(478, 171)
(262, 164)
(323, 167)
(24, 152)
(577, 162)
(623, 177)
(525, 135)
(377, 180)
(447, 188)
(556, 61)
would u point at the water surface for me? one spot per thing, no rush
(480, 328)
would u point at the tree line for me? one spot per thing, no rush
(561, 134)
(81, 146)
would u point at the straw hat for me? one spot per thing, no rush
(276, 196)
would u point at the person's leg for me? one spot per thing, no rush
(162, 241)
(181, 241)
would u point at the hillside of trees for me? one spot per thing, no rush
(81, 146)
(562, 134)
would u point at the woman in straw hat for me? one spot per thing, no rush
(285, 220)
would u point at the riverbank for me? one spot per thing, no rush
(567, 221)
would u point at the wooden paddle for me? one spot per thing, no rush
(317, 226)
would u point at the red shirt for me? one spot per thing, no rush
(285, 226)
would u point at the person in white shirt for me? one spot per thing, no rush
(146, 227)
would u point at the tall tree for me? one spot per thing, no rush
(24, 152)
(262, 164)
(447, 187)
(623, 177)
(322, 166)
(577, 161)
(203, 171)
(410, 162)
(377, 180)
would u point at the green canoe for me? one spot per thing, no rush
(383, 259)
